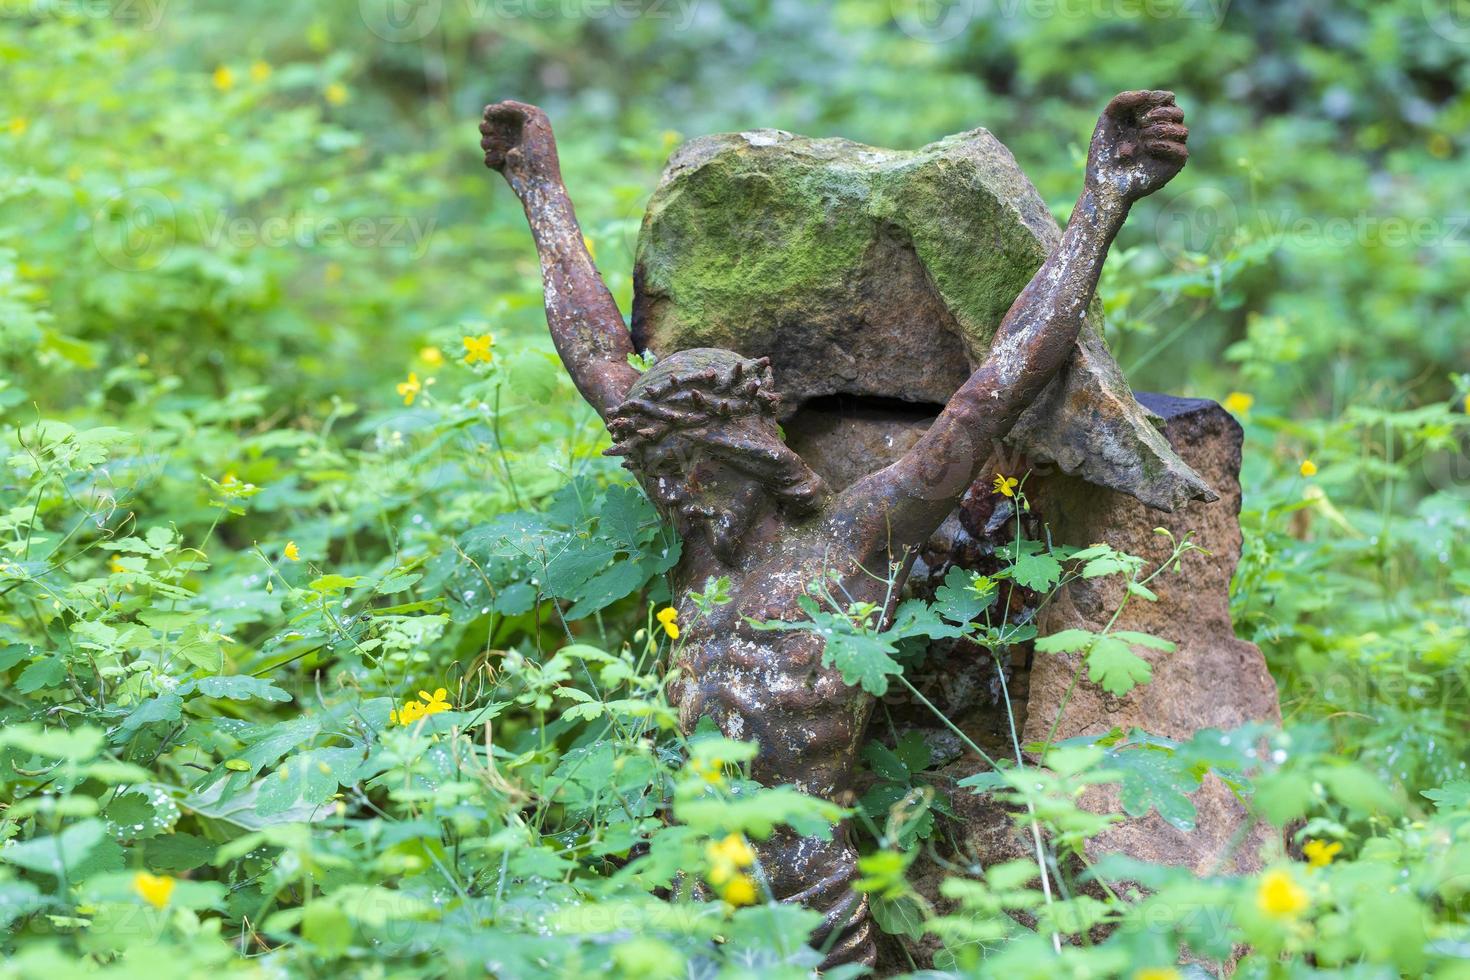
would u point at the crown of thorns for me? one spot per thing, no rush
(689, 390)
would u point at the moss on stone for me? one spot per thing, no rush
(867, 271)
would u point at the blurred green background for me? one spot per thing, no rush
(241, 245)
(1320, 219)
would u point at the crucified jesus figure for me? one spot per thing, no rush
(699, 431)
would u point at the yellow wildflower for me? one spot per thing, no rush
(431, 356)
(411, 712)
(1320, 852)
(732, 851)
(728, 859)
(478, 348)
(740, 890)
(429, 704)
(668, 618)
(1308, 468)
(224, 79)
(436, 702)
(1005, 485)
(1466, 405)
(335, 93)
(19, 125)
(1156, 973)
(1280, 897)
(153, 889)
(115, 565)
(410, 389)
(259, 71)
(291, 552)
(710, 771)
(1239, 403)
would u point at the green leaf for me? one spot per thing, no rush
(134, 816)
(1142, 592)
(73, 745)
(333, 584)
(397, 582)
(177, 852)
(326, 927)
(915, 618)
(1112, 563)
(861, 658)
(237, 687)
(18, 898)
(760, 812)
(1451, 796)
(1153, 779)
(1360, 789)
(1066, 641)
(534, 375)
(49, 671)
(308, 778)
(957, 601)
(164, 708)
(53, 854)
(14, 654)
(1038, 572)
(1144, 640)
(1115, 668)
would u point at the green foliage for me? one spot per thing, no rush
(257, 508)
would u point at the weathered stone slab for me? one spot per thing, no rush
(1212, 680)
(881, 273)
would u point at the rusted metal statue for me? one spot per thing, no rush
(699, 431)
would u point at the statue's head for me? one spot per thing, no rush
(700, 426)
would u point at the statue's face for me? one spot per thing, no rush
(717, 483)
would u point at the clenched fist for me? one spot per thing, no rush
(517, 139)
(1138, 146)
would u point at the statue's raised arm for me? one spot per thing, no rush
(1137, 147)
(586, 326)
